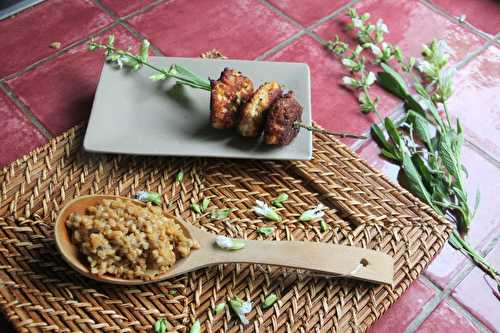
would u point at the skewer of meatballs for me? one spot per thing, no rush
(233, 101)
(268, 109)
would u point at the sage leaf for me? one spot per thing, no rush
(323, 226)
(278, 202)
(421, 126)
(196, 328)
(220, 214)
(179, 177)
(161, 325)
(153, 197)
(196, 208)
(269, 301)
(240, 308)
(415, 181)
(379, 137)
(219, 308)
(265, 230)
(227, 243)
(204, 204)
(390, 80)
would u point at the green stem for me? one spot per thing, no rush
(198, 83)
(448, 119)
(379, 116)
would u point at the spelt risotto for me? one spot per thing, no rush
(123, 239)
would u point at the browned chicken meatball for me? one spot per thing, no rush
(280, 125)
(253, 113)
(228, 93)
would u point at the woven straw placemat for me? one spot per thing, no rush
(40, 292)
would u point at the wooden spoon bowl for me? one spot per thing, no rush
(323, 258)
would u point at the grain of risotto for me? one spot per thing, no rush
(126, 240)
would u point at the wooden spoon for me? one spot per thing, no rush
(322, 258)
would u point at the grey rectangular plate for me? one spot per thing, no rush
(133, 115)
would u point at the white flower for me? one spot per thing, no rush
(380, 26)
(263, 209)
(358, 23)
(426, 67)
(370, 79)
(314, 213)
(445, 82)
(227, 243)
(377, 52)
(348, 81)
(348, 62)
(241, 308)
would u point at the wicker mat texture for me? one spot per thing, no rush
(41, 293)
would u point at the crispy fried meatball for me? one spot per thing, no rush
(280, 125)
(253, 113)
(228, 93)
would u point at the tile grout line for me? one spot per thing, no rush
(445, 293)
(25, 110)
(437, 9)
(453, 304)
(483, 153)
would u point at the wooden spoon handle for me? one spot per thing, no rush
(324, 258)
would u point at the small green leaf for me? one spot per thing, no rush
(179, 177)
(204, 204)
(323, 226)
(265, 230)
(220, 214)
(219, 308)
(415, 181)
(240, 308)
(144, 50)
(196, 328)
(152, 197)
(196, 208)
(269, 301)
(158, 77)
(173, 292)
(161, 325)
(278, 202)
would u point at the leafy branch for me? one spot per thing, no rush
(425, 143)
(121, 58)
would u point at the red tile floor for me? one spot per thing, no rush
(45, 91)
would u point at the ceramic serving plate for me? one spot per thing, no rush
(134, 115)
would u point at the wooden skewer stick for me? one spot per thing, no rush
(324, 131)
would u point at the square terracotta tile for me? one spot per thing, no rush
(446, 319)
(60, 92)
(123, 8)
(308, 12)
(333, 106)
(476, 100)
(18, 135)
(26, 37)
(406, 308)
(410, 24)
(239, 29)
(483, 14)
(479, 294)
(449, 261)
